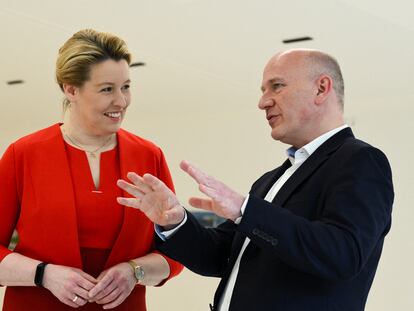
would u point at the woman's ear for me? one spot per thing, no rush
(70, 92)
(324, 88)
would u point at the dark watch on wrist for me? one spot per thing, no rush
(138, 271)
(40, 270)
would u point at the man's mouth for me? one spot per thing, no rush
(271, 117)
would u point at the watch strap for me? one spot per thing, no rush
(135, 267)
(133, 264)
(40, 270)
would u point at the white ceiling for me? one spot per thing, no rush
(206, 54)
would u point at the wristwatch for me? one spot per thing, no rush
(138, 271)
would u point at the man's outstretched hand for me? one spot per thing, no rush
(161, 206)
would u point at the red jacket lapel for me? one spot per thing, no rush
(49, 220)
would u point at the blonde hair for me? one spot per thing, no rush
(84, 49)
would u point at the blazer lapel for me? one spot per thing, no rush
(311, 164)
(260, 189)
(55, 198)
(264, 186)
(124, 247)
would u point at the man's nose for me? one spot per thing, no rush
(265, 102)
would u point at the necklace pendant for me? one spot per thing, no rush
(92, 154)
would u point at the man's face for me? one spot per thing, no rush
(288, 93)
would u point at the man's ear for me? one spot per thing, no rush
(70, 92)
(324, 87)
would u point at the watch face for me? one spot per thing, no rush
(139, 273)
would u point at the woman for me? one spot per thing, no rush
(58, 190)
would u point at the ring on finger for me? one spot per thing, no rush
(75, 298)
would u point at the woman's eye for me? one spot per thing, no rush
(106, 90)
(126, 87)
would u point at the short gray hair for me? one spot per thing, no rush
(322, 63)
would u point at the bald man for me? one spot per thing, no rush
(309, 234)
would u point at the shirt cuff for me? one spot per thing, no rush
(243, 207)
(164, 235)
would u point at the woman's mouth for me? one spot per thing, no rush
(115, 116)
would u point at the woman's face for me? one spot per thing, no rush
(99, 105)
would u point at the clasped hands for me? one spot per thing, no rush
(75, 288)
(161, 206)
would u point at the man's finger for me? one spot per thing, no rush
(191, 170)
(154, 182)
(130, 188)
(184, 164)
(198, 175)
(139, 182)
(210, 192)
(130, 202)
(205, 204)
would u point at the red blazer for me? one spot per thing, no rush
(36, 198)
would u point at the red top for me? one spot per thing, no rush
(99, 216)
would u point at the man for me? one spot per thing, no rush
(310, 233)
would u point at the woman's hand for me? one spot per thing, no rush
(114, 286)
(70, 285)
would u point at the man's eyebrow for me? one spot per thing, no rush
(271, 81)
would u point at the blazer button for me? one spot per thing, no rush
(274, 242)
(255, 231)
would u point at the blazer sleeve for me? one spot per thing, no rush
(353, 214)
(9, 200)
(165, 176)
(205, 251)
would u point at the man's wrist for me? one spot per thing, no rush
(170, 227)
(165, 234)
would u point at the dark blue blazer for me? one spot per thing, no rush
(315, 247)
